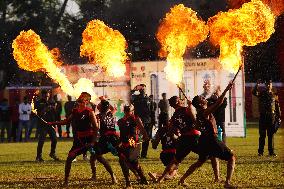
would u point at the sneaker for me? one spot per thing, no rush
(53, 156)
(74, 160)
(39, 159)
(273, 154)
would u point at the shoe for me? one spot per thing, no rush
(226, 185)
(74, 160)
(144, 181)
(273, 154)
(39, 159)
(260, 154)
(53, 156)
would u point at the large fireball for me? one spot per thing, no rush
(253, 23)
(104, 46)
(180, 29)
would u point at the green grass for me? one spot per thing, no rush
(19, 170)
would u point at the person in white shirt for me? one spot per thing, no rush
(24, 119)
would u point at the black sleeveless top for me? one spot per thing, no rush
(207, 126)
(107, 122)
(166, 138)
(81, 121)
(182, 121)
(128, 128)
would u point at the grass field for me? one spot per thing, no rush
(19, 170)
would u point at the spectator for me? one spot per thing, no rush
(33, 117)
(206, 89)
(219, 113)
(15, 119)
(46, 110)
(5, 122)
(267, 101)
(58, 110)
(68, 106)
(24, 119)
(141, 104)
(164, 111)
(153, 108)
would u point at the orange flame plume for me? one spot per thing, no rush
(180, 29)
(251, 24)
(32, 55)
(276, 6)
(104, 46)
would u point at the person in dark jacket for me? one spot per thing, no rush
(58, 110)
(268, 111)
(153, 108)
(164, 111)
(141, 104)
(68, 106)
(46, 110)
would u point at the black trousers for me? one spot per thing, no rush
(163, 119)
(43, 130)
(266, 128)
(148, 127)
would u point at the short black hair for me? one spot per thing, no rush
(195, 101)
(104, 105)
(173, 101)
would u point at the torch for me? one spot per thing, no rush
(237, 74)
(180, 89)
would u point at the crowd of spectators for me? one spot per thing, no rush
(19, 124)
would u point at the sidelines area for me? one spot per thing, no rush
(19, 170)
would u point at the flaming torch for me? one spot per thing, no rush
(32, 55)
(105, 47)
(251, 24)
(35, 111)
(180, 29)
